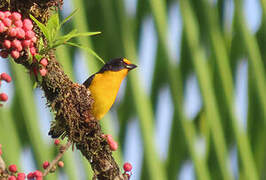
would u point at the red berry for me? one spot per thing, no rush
(12, 178)
(21, 176)
(30, 175)
(45, 164)
(33, 51)
(37, 173)
(4, 54)
(2, 27)
(15, 54)
(29, 34)
(4, 97)
(113, 145)
(44, 62)
(15, 16)
(7, 44)
(20, 33)
(1, 152)
(26, 43)
(56, 142)
(5, 77)
(34, 39)
(13, 167)
(60, 164)
(43, 71)
(18, 23)
(12, 31)
(7, 22)
(16, 43)
(127, 166)
(2, 15)
(27, 24)
(7, 13)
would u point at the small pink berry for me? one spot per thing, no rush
(43, 71)
(45, 164)
(12, 31)
(15, 54)
(27, 25)
(2, 27)
(34, 39)
(44, 62)
(16, 44)
(7, 44)
(4, 97)
(56, 142)
(113, 145)
(60, 164)
(4, 54)
(13, 167)
(7, 22)
(37, 173)
(12, 178)
(26, 43)
(5, 77)
(18, 23)
(127, 167)
(1, 152)
(30, 175)
(7, 13)
(33, 51)
(2, 15)
(39, 178)
(29, 34)
(21, 176)
(15, 16)
(20, 33)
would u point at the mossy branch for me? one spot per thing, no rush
(69, 101)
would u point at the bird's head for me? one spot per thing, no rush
(118, 64)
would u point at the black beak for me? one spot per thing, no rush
(130, 66)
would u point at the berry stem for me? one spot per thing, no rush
(62, 150)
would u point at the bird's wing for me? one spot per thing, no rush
(88, 81)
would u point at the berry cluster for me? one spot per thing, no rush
(18, 38)
(18, 35)
(4, 77)
(13, 174)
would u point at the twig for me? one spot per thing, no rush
(62, 150)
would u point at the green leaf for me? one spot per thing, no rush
(89, 50)
(40, 45)
(73, 34)
(38, 57)
(68, 17)
(53, 26)
(42, 27)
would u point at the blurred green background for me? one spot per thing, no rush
(195, 108)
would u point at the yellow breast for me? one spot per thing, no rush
(104, 88)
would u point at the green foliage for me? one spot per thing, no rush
(52, 29)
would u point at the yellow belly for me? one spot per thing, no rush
(104, 88)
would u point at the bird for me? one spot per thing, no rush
(104, 85)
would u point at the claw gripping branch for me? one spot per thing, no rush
(69, 101)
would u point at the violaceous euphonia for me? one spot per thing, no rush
(104, 85)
